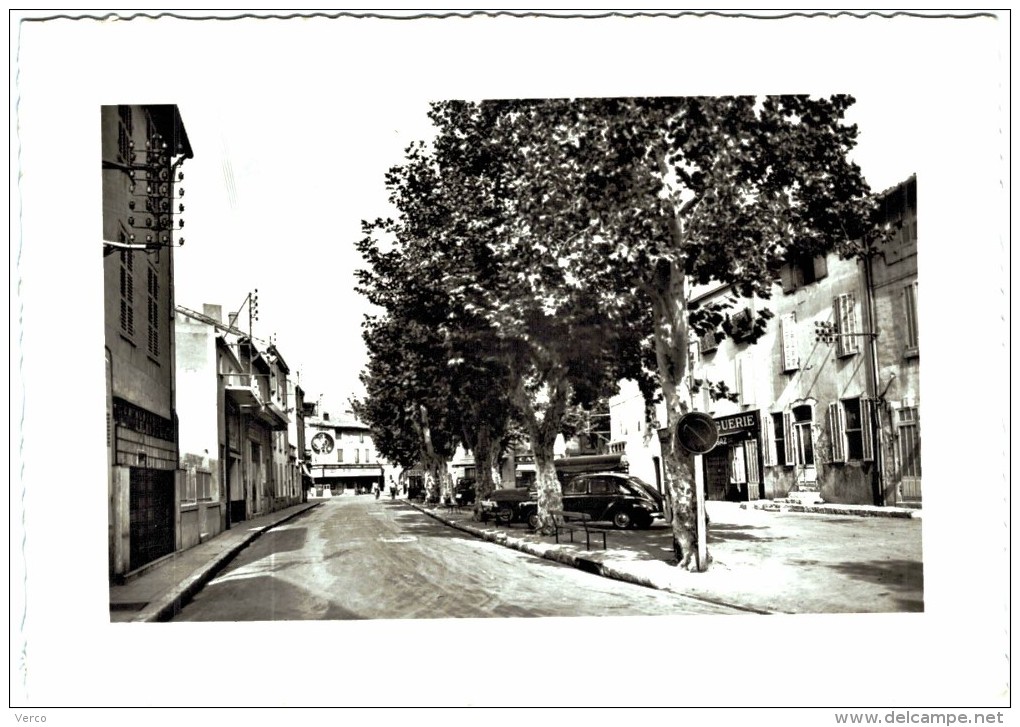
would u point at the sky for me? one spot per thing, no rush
(305, 116)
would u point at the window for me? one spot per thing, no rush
(708, 342)
(153, 291)
(910, 319)
(909, 442)
(575, 486)
(850, 430)
(127, 292)
(845, 316)
(803, 449)
(801, 271)
(788, 336)
(599, 486)
(782, 439)
(357, 456)
(125, 130)
(203, 482)
(339, 455)
(368, 457)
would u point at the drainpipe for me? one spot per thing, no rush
(878, 474)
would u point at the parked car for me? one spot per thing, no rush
(511, 504)
(464, 491)
(624, 500)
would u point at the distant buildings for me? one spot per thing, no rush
(828, 400)
(235, 421)
(343, 458)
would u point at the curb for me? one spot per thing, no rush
(560, 555)
(169, 603)
(856, 511)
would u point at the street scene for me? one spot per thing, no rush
(530, 360)
(416, 347)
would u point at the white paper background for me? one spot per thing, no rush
(330, 104)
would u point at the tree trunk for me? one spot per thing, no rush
(482, 452)
(671, 350)
(438, 482)
(543, 429)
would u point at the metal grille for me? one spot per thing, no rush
(151, 515)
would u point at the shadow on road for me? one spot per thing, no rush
(726, 531)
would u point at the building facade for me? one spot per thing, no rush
(827, 401)
(343, 457)
(143, 148)
(235, 448)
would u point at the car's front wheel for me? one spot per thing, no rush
(622, 520)
(533, 521)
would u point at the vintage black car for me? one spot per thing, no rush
(510, 505)
(464, 491)
(624, 500)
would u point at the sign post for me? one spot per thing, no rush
(697, 433)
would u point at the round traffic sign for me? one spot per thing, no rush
(697, 432)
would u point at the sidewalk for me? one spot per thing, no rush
(822, 559)
(157, 592)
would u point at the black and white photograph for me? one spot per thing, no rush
(510, 359)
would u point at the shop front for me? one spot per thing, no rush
(733, 467)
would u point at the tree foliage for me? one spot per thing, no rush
(559, 240)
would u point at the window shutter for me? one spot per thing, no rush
(868, 445)
(786, 278)
(738, 379)
(709, 342)
(748, 383)
(788, 333)
(788, 437)
(837, 431)
(846, 322)
(768, 438)
(821, 267)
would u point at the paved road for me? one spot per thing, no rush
(362, 558)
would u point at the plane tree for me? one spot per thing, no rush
(565, 341)
(652, 196)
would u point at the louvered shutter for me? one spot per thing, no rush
(837, 431)
(738, 379)
(788, 333)
(747, 381)
(846, 323)
(788, 442)
(786, 278)
(821, 267)
(768, 438)
(867, 441)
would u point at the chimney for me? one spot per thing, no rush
(213, 311)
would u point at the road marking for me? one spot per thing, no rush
(399, 539)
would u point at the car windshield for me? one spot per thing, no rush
(643, 487)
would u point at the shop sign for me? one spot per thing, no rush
(697, 432)
(737, 424)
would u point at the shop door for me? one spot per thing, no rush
(752, 458)
(151, 503)
(717, 472)
(738, 473)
